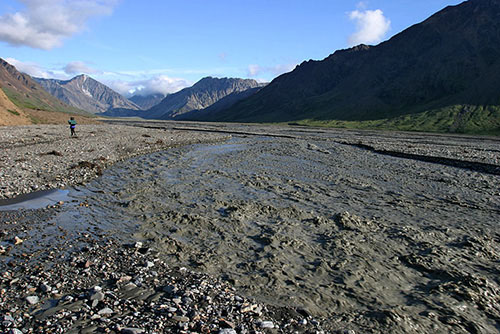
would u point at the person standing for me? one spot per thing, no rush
(72, 126)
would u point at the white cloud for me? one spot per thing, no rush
(362, 5)
(157, 84)
(371, 25)
(79, 67)
(30, 68)
(44, 24)
(254, 70)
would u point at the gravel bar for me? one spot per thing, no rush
(82, 279)
(41, 157)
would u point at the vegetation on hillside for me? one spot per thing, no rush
(466, 119)
(27, 101)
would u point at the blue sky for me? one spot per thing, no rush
(163, 45)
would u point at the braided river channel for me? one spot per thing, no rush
(334, 230)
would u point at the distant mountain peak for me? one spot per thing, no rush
(202, 94)
(82, 77)
(147, 101)
(86, 93)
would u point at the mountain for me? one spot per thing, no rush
(450, 59)
(86, 93)
(147, 101)
(24, 101)
(204, 93)
(226, 102)
(10, 114)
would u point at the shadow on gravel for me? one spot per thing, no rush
(469, 165)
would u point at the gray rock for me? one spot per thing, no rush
(8, 318)
(33, 300)
(132, 331)
(97, 296)
(129, 286)
(227, 331)
(179, 318)
(105, 311)
(266, 324)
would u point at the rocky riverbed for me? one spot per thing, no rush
(84, 280)
(278, 230)
(41, 157)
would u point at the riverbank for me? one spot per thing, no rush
(76, 278)
(298, 229)
(41, 157)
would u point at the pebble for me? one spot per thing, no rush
(180, 318)
(33, 300)
(45, 288)
(15, 331)
(97, 296)
(227, 331)
(132, 331)
(266, 324)
(105, 311)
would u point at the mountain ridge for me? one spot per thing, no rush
(449, 59)
(24, 101)
(86, 93)
(202, 94)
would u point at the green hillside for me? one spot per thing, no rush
(467, 119)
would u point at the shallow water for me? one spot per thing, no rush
(328, 228)
(36, 200)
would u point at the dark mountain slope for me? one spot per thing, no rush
(451, 58)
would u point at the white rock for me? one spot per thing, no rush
(105, 311)
(227, 331)
(33, 300)
(266, 324)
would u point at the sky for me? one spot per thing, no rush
(150, 46)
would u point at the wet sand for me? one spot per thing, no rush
(368, 232)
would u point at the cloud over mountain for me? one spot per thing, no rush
(44, 24)
(30, 68)
(371, 26)
(79, 67)
(162, 84)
